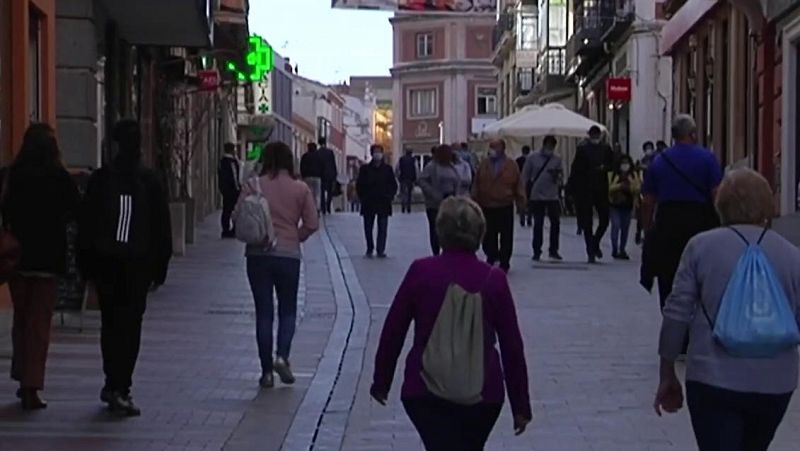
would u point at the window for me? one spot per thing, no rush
(487, 101)
(424, 45)
(527, 36)
(422, 103)
(524, 80)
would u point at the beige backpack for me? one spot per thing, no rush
(452, 363)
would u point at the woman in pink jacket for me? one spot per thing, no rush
(276, 268)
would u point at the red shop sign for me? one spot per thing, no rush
(209, 80)
(619, 89)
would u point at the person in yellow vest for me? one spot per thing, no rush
(624, 188)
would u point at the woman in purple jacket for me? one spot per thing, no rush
(444, 425)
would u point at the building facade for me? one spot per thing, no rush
(444, 80)
(515, 43)
(27, 69)
(320, 105)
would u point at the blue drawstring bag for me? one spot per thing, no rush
(755, 319)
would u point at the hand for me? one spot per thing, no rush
(520, 424)
(378, 395)
(669, 396)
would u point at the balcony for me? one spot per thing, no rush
(586, 47)
(181, 23)
(230, 25)
(552, 69)
(503, 37)
(623, 18)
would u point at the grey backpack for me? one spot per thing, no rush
(452, 363)
(252, 218)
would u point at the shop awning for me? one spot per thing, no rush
(173, 23)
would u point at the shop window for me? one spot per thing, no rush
(34, 68)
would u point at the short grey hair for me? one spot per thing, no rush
(745, 197)
(683, 127)
(460, 224)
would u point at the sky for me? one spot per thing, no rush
(328, 45)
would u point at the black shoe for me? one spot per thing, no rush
(106, 395)
(284, 370)
(226, 235)
(638, 240)
(381, 254)
(623, 256)
(592, 260)
(123, 405)
(615, 255)
(368, 254)
(30, 400)
(537, 256)
(556, 256)
(267, 380)
(599, 254)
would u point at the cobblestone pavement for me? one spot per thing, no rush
(196, 380)
(590, 337)
(590, 340)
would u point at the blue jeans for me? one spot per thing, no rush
(270, 275)
(620, 226)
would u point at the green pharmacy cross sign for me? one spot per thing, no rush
(260, 61)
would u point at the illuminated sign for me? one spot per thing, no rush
(260, 61)
(422, 6)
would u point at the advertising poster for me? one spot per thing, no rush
(422, 6)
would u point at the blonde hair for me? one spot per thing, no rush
(460, 224)
(745, 197)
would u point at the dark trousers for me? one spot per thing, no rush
(586, 209)
(270, 276)
(34, 299)
(445, 426)
(406, 192)
(123, 299)
(327, 196)
(228, 204)
(620, 227)
(499, 229)
(432, 213)
(369, 231)
(552, 209)
(725, 420)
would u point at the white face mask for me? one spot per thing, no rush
(377, 157)
(594, 140)
(548, 150)
(492, 153)
(625, 167)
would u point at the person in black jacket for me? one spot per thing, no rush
(125, 246)
(376, 187)
(312, 170)
(588, 184)
(525, 217)
(39, 200)
(329, 173)
(229, 173)
(407, 173)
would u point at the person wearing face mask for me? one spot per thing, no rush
(542, 175)
(376, 187)
(624, 187)
(497, 189)
(439, 180)
(589, 186)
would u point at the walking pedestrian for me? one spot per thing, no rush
(543, 173)
(525, 217)
(407, 175)
(589, 186)
(735, 402)
(312, 171)
(623, 194)
(39, 199)
(467, 155)
(679, 190)
(376, 189)
(274, 270)
(126, 244)
(465, 174)
(439, 180)
(228, 176)
(497, 189)
(329, 174)
(424, 297)
(352, 195)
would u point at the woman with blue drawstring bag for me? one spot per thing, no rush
(737, 294)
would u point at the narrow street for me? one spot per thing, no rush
(590, 335)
